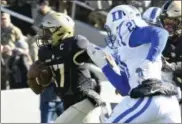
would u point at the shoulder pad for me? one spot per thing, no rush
(82, 41)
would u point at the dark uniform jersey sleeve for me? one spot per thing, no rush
(90, 87)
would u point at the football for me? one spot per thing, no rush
(41, 73)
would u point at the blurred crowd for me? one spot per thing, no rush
(19, 48)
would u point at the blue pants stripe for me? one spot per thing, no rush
(122, 115)
(140, 112)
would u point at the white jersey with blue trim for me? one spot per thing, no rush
(132, 57)
(139, 47)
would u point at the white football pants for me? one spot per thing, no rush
(81, 112)
(156, 109)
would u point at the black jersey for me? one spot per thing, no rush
(67, 62)
(173, 51)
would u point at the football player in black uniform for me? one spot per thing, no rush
(171, 19)
(64, 53)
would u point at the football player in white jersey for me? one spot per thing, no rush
(139, 47)
(152, 17)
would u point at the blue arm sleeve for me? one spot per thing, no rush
(120, 82)
(150, 34)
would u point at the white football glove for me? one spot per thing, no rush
(97, 55)
(101, 58)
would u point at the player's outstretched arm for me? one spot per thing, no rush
(116, 76)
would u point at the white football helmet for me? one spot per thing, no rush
(115, 17)
(171, 17)
(151, 15)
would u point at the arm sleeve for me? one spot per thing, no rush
(95, 75)
(120, 82)
(150, 34)
(87, 86)
(93, 96)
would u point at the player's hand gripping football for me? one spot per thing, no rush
(39, 77)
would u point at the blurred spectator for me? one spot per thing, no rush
(140, 5)
(118, 2)
(97, 19)
(18, 65)
(99, 4)
(9, 32)
(81, 12)
(43, 10)
(4, 77)
(10, 35)
(157, 3)
(4, 2)
(60, 5)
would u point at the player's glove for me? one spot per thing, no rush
(101, 58)
(97, 55)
